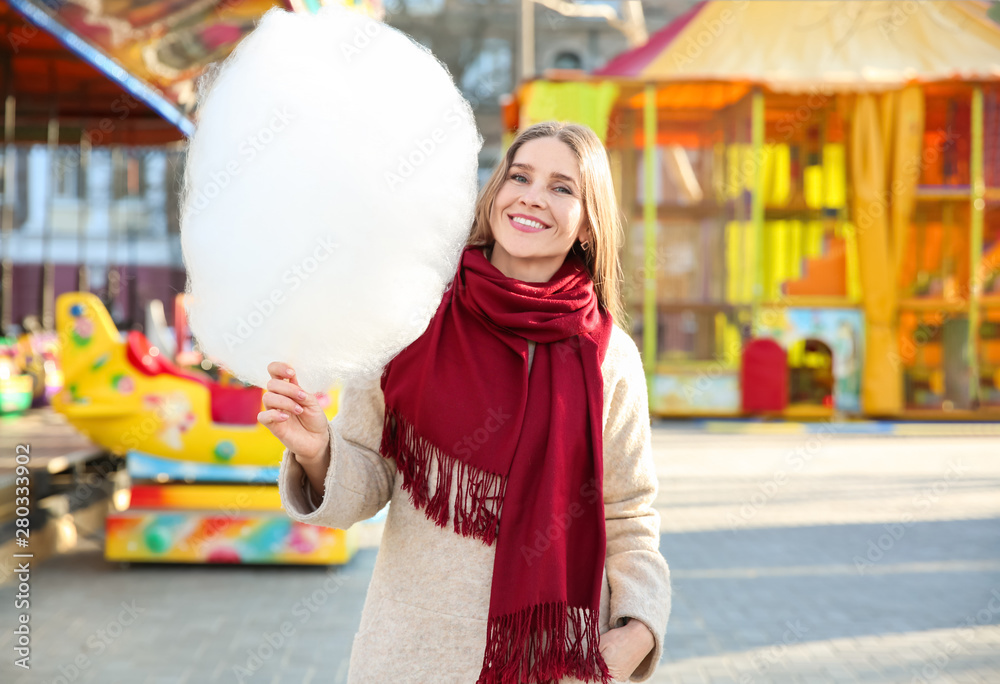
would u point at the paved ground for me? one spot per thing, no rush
(795, 559)
(831, 558)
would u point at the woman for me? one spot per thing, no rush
(513, 437)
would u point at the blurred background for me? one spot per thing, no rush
(811, 199)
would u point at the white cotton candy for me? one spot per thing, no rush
(328, 193)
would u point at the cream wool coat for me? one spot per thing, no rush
(424, 619)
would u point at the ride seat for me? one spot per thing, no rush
(233, 405)
(138, 350)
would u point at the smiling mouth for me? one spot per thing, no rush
(527, 225)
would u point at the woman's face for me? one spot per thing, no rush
(538, 211)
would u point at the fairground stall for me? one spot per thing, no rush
(812, 199)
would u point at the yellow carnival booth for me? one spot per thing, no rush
(812, 199)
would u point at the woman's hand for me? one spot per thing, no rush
(624, 648)
(293, 415)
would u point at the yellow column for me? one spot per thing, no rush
(649, 221)
(757, 202)
(976, 239)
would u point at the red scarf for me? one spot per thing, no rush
(465, 421)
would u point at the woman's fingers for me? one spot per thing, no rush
(277, 369)
(282, 371)
(285, 388)
(284, 397)
(292, 390)
(271, 417)
(292, 415)
(273, 400)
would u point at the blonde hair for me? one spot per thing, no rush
(599, 206)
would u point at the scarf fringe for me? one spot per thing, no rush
(517, 650)
(479, 494)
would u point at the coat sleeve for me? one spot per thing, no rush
(637, 572)
(360, 481)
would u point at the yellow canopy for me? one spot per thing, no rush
(807, 45)
(711, 56)
(586, 103)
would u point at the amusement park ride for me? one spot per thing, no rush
(203, 470)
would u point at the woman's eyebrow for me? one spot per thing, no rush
(555, 174)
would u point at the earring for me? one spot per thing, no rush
(585, 245)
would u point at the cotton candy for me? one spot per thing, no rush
(328, 192)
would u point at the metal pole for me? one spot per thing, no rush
(527, 39)
(7, 210)
(113, 275)
(48, 280)
(83, 213)
(135, 311)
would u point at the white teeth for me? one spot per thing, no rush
(529, 222)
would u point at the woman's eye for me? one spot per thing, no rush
(521, 178)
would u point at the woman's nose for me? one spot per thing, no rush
(532, 195)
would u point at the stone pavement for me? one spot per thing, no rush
(830, 558)
(795, 558)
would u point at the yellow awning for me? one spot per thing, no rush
(810, 45)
